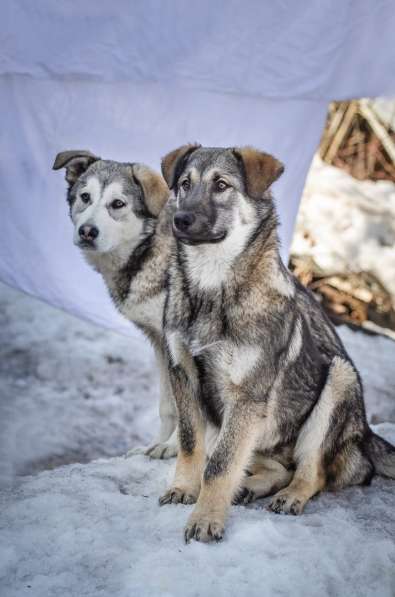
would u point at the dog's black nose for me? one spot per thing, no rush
(183, 220)
(88, 232)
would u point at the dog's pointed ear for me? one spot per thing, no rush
(260, 170)
(76, 162)
(173, 163)
(154, 188)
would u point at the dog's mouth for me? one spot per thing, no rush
(88, 245)
(196, 239)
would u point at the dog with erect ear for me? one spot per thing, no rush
(122, 224)
(251, 351)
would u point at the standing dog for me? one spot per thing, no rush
(251, 351)
(123, 228)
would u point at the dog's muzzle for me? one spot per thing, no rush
(87, 234)
(183, 220)
(188, 229)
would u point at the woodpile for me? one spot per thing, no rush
(356, 299)
(359, 137)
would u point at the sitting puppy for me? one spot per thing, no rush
(124, 230)
(251, 351)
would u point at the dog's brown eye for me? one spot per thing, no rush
(85, 197)
(186, 185)
(221, 186)
(117, 204)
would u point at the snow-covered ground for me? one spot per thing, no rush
(71, 393)
(347, 225)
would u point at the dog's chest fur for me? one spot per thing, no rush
(206, 325)
(223, 318)
(240, 335)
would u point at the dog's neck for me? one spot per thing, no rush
(260, 264)
(208, 265)
(247, 248)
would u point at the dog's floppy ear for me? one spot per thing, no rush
(154, 188)
(260, 170)
(173, 163)
(76, 161)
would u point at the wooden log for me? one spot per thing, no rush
(336, 116)
(341, 132)
(378, 128)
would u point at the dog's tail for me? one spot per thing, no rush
(382, 454)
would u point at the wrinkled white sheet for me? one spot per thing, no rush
(132, 80)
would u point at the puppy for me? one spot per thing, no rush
(252, 352)
(122, 226)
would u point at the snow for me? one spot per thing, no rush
(347, 225)
(74, 532)
(69, 391)
(75, 395)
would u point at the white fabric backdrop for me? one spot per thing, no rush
(132, 80)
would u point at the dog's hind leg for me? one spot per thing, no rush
(268, 477)
(337, 417)
(351, 466)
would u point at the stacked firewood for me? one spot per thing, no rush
(358, 141)
(357, 299)
(359, 137)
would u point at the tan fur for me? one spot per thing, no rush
(307, 482)
(190, 464)
(261, 170)
(156, 192)
(170, 161)
(268, 476)
(207, 521)
(282, 455)
(189, 469)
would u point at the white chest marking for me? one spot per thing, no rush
(237, 362)
(208, 265)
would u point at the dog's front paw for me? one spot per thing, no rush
(162, 450)
(204, 528)
(178, 495)
(136, 451)
(158, 450)
(287, 502)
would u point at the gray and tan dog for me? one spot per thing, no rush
(122, 224)
(251, 351)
